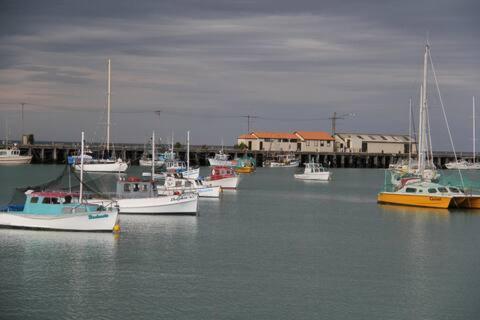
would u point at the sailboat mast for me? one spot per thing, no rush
(81, 167)
(473, 101)
(153, 155)
(410, 134)
(423, 117)
(188, 151)
(108, 104)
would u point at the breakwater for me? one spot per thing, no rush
(58, 153)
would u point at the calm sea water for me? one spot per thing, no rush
(275, 249)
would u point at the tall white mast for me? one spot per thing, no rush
(188, 151)
(172, 146)
(153, 155)
(473, 100)
(423, 117)
(82, 154)
(108, 104)
(410, 134)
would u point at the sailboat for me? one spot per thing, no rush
(419, 189)
(104, 165)
(464, 164)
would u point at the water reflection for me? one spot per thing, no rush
(386, 209)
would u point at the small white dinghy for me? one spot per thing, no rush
(314, 171)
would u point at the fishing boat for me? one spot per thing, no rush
(137, 196)
(418, 187)
(50, 210)
(224, 177)
(244, 165)
(282, 161)
(105, 165)
(58, 211)
(176, 182)
(11, 156)
(314, 171)
(221, 159)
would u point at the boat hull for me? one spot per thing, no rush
(116, 166)
(416, 200)
(245, 170)
(223, 163)
(179, 204)
(225, 183)
(93, 221)
(15, 160)
(292, 164)
(148, 163)
(320, 176)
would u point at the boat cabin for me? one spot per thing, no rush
(134, 187)
(55, 203)
(221, 172)
(313, 167)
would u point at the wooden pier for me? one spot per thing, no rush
(58, 153)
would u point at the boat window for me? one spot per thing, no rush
(454, 190)
(432, 190)
(3, 153)
(34, 200)
(145, 187)
(411, 190)
(135, 188)
(126, 187)
(46, 200)
(442, 190)
(178, 183)
(55, 200)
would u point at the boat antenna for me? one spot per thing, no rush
(109, 93)
(153, 156)
(81, 167)
(188, 151)
(473, 107)
(410, 134)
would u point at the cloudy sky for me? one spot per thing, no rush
(207, 63)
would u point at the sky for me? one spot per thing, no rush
(206, 64)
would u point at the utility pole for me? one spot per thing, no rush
(248, 120)
(23, 124)
(334, 119)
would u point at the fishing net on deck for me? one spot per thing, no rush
(98, 185)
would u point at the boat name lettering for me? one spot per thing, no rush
(97, 216)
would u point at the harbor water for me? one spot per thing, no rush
(277, 248)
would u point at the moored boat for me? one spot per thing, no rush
(314, 171)
(224, 177)
(12, 156)
(59, 211)
(175, 182)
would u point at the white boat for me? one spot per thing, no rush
(175, 182)
(314, 171)
(105, 165)
(134, 195)
(12, 156)
(60, 211)
(50, 211)
(224, 177)
(221, 159)
(463, 164)
(282, 161)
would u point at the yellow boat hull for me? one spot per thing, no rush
(245, 170)
(419, 200)
(471, 202)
